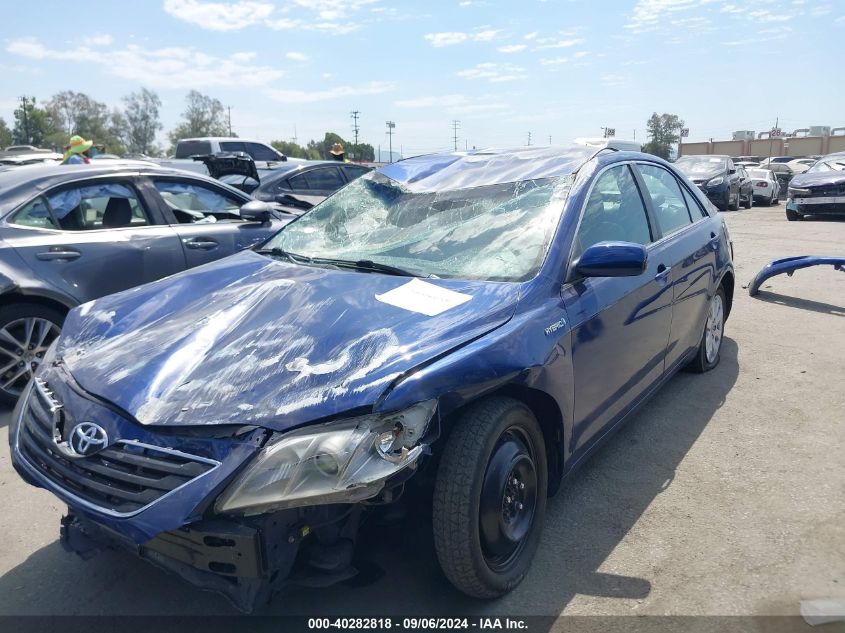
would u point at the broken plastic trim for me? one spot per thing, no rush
(789, 265)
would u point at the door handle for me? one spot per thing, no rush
(57, 252)
(663, 273)
(714, 241)
(200, 244)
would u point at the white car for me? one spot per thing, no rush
(766, 185)
(800, 165)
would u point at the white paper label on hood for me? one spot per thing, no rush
(422, 297)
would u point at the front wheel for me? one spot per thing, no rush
(490, 497)
(792, 216)
(26, 331)
(710, 346)
(735, 205)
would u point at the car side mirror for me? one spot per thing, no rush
(256, 211)
(612, 259)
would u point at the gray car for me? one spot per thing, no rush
(70, 234)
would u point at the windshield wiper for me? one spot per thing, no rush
(367, 264)
(278, 252)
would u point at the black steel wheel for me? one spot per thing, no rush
(490, 497)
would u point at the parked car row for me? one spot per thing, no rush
(418, 335)
(725, 184)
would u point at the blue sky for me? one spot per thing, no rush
(554, 68)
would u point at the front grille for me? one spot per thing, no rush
(825, 191)
(120, 479)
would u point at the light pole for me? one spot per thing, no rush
(390, 127)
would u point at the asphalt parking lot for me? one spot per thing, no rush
(724, 496)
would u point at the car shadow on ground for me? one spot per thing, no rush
(802, 304)
(585, 522)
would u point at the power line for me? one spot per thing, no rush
(455, 127)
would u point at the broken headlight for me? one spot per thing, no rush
(337, 462)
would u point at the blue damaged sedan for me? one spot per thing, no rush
(465, 327)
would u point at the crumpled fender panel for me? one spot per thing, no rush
(789, 265)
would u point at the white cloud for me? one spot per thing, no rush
(220, 16)
(648, 13)
(450, 38)
(173, 67)
(100, 40)
(494, 73)
(454, 104)
(547, 43)
(512, 48)
(531, 36)
(297, 57)
(554, 61)
(338, 92)
(334, 16)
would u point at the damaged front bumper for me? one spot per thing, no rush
(789, 265)
(140, 494)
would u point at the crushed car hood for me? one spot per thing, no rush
(818, 178)
(253, 340)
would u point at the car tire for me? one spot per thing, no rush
(34, 326)
(707, 356)
(775, 200)
(490, 497)
(750, 202)
(792, 216)
(735, 205)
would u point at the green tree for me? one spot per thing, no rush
(5, 134)
(78, 113)
(664, 132)
(142, 121)
(365, 151)
(290, 149)
(203, 116)
(34, 126)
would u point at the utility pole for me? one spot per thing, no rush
(294, 139)
(456, 125)
(355, 114)
(390, 127)
(229, 108)
(529, 139)
(550, 139)
(24, 103)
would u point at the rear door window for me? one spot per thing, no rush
(353, 171)
(93, 207)
(186, 149)
(233, 146)
(258, 151)
(666, 197)
(325, 179)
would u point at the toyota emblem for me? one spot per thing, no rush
(87, 438)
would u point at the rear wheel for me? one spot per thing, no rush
(490, 498)
(26, 331)
(707, 356)
(750, 202)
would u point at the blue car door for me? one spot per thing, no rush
(689, 247)
(620, 325)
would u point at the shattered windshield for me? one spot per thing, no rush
(497, 232)
(829, 164)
